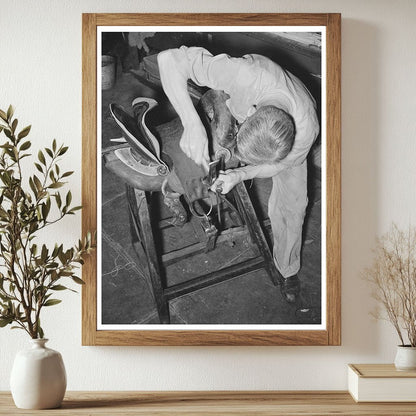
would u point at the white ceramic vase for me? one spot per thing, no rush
(405, 358)
(38, 377)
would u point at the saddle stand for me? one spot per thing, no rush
(142, 168)
(143, 235)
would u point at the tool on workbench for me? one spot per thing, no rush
(215, 167)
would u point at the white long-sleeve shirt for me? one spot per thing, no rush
(253, 81)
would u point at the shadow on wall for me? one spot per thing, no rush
(360, 184)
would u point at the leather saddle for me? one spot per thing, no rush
(152, 160)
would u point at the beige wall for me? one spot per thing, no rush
(40, 73)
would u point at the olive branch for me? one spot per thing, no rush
(30, 273)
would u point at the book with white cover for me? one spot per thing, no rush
(381, 383)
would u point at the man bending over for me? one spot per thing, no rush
(277, 127)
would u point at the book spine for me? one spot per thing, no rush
(353, 381)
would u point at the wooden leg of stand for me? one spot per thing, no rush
(138, 203)
(246, 209)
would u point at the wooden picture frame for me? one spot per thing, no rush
(331, 332)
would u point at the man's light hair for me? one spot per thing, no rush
(265, 137)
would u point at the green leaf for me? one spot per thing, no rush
(77, 208)
(45, 211)
(4, 298)
(5, 179)
(67, 174)
(34, 226)
(62, 257)
(44, 253)
(6, 145)
(49, 151)
(37, 183)
(60, 249)
(34, 249)
(8, 133)
(24, 132)
(63, 150)
(59, 287)
(54, 145)
(54, 276)
(41, 157)
(51, 302)
(10, 112)
(68, 199)
(3, 115)
(56, 185)
(58, 199)
(5, 321)
(14, 125)
(40, 332)
(55, 251)
(25, 145)
(39, 167)
(33, 187)
(76, 279)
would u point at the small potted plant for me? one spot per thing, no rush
(393, 276)
(31, 273)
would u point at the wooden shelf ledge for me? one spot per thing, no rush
(179, 403)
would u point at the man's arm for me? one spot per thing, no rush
(231, 177)
(260, 171)
(174, 74)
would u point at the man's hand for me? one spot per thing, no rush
(194, 143)
(227, 180)
(174, 72)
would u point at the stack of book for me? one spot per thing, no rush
(381, 383)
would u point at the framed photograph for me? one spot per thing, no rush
(211, 172)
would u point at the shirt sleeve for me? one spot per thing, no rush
(235, 76)
(250, 80)
(215, 72)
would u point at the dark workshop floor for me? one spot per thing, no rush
(250, 299)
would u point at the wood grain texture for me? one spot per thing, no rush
(212, 19)
(89, 172)
(212, 338)
(333, 174)
(331, 336)
(380, 371)
(269, 403)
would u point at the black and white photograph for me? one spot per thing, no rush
(211, 180)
